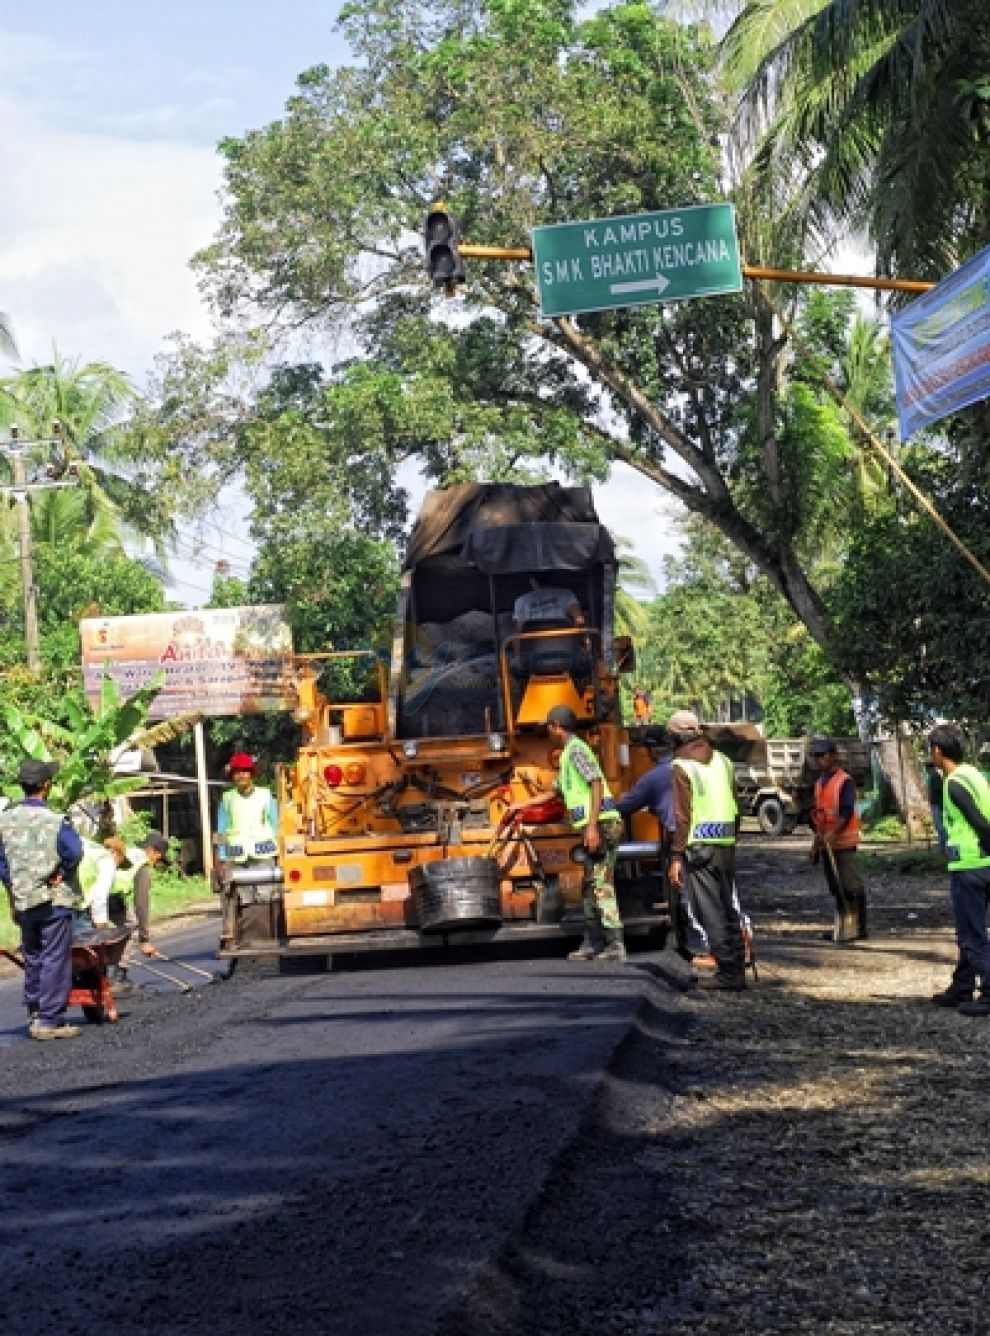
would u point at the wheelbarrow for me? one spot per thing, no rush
(92, 957)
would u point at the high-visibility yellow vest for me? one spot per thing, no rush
(123, 882)
(713, 803)
(962, 840)
(96, 862)
(249, 832)
(576, 791)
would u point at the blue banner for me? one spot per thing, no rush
(942, 347)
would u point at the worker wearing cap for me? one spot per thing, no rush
(703, 850)
(132, 886)
(591, 811)
(39, 853)
(835, 823)
(248, 816)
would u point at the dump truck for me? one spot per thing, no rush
(779, 790)
(392, 816)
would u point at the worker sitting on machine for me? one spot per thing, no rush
(549, 608)
(248, 816)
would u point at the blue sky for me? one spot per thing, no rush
(109, 117)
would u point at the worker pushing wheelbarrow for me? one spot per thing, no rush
(92, 958)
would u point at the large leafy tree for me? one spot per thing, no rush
(719, 633)
(518, 114)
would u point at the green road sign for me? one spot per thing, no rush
(637, 258)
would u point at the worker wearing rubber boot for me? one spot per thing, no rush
(703, 850)
(592, 812)
(835, 822)
(248, 817)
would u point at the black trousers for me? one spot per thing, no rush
(842, 876)
(711, 872)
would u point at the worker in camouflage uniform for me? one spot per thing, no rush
(39, 853)
(592, 812)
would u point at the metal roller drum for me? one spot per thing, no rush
(459, 893)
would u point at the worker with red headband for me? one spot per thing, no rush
(248, 816)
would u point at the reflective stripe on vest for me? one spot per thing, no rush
(713, 803)
(962, 840)
(825, 814)
(249, 831)
(576, 791)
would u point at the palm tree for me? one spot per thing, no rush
(876, 114)
(89, 402)
(69, 519)
(633, 575)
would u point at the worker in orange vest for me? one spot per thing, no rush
(835, 822)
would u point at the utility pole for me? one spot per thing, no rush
(16, 449)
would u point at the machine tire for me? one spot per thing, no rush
(95, 1015)
(771, 817)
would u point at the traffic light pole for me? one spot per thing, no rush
(473, 252)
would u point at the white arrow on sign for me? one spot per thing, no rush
(643, 285)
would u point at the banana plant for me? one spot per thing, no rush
(84, 750)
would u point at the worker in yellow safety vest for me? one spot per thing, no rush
(703, 848)
(96, 875)
(130, 897)
(593, 814)
(248, 816)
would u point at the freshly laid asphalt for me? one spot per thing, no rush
(335, 1152)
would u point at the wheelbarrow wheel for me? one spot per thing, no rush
(95, 1015)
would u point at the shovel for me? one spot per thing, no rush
(211, 976)
(845, 912)
(142, 963)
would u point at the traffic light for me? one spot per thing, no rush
(441, 237)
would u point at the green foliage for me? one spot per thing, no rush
(83, 749)
(719, 633)
(879, 115)
(910, 606)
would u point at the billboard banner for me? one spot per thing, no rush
(942, 347)
(222, 661)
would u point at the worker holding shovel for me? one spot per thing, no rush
(835, 822)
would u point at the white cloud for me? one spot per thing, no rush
(95, 237)
(634, 508)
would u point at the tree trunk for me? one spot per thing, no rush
(900, 765)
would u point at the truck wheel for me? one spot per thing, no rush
(771, 816)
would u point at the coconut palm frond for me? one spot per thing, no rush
(167, 731)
